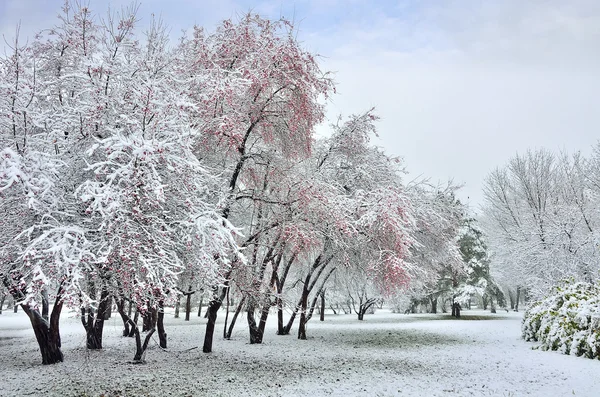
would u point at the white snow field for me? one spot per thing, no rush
(385, 355)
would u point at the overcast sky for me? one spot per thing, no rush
(461, 86)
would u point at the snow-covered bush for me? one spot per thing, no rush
(568, 320)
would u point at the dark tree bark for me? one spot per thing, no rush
(456, 309)
(108, 311)
(47, 333)
(238, 310)
(124, 316)
(160, 326)
(188, 303)
(151, 317)
(211, 313)
(322, 312)
(309, 283)
(45, 304)
(255, 336)
(485, 302)
(15, 308)
(134, 321)
(2, 298)
(93, 322)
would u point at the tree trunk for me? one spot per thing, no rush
(492, 305)
(485, 302)
(134, 322)
(255, 336)
(146, 322)
(322, 313)
(188, 306)
(2, 298)
(434, 302)
(263, 320)
(200, 307)
(160, 326)
(211, 313)
(47, 333)
(94, 322)
(456, 309)
(303, 307)
(45, 305)
(177, 306)
(108, 311)
(238, 310)
(280, 327)
(124, 316)
(15, 308)
(517, 299)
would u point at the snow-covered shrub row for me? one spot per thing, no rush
(568, 320)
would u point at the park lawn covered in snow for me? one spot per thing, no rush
(387, 354)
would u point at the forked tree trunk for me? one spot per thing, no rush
(94, 322)
(255, 336)
(140, 348)
(47, 333)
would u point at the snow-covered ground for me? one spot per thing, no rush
(385, 355)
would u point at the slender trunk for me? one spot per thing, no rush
(238, 310)
(124, 316)
(492, 305)
(511, 297)
(200, 307)
(485, 302)
(188, 306)
(280, 327)
(177, 306)
(211, 313)
(134, 322)
(151, 318)
(160, 326)
(303, 306)
(517, 299)
(227, 305)
(322, 313)
(2, 298)
(15, 308)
